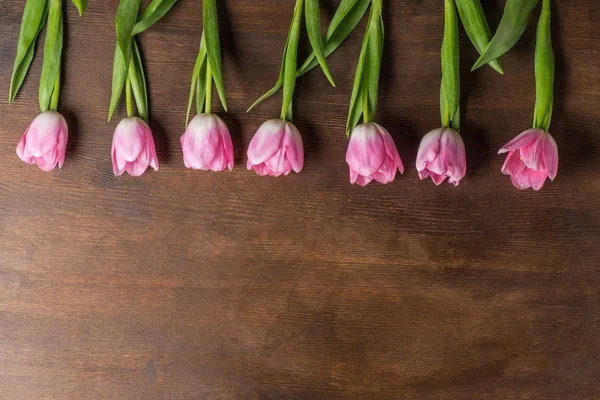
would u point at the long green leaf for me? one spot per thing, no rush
(138, 82)
(477, 27)
(356, 105)
(52, 54)
(374, 54)
(291, 59)
(81, 5)
(34, 18)
(118, 81)
(198, 67)
(345, 20)
(124, 22)
(152, 14)
(149, 10)
(450, 57)
(512, 26)
(544, 71)
(313, 28)
(213, 47)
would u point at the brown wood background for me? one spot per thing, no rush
(186, 284)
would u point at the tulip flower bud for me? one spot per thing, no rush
(133, 148)
(372, 155)
(276, 149)
(45, 141)
(206, 144)
(532, 157)
(442, 155)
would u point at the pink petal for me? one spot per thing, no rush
(513, 164)
(294, 148)
(366, 150)
(532, 155)
(387, 172)
(267, 141)
(390, 148)
(524, 139)
(429, 149)
(363, 180)
(454, 156)
(550, 154)
(22, 151)
(62, 143)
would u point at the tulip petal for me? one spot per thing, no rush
(513, 164)
(266, 142)
(390, 148)
(363, 180)
(454, 156)
(22, 151)
(387, 172)
(429, 149)
(550, 153)
(532, 155)
(294, 148)
(366, 150)
(62, 143)
(524, 139)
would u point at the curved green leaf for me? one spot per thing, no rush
(291, 59)
(81, 5)
(512, 26)
(477, 27)
(345, 20)
(213, 47)
(152, 14)
(313, 28)
(124, 22)
(138, 82)
(118, 81)
(34, 18)
(199, 70)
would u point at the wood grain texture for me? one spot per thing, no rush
(184, 284)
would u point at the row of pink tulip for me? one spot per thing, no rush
(276, 149)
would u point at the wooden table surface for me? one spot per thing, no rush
(184, 284)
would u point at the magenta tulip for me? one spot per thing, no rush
(442, 155)
(133, 148)
(276, 149)
(206, 144)
(45, 141)
(532, 157)
(372, 155)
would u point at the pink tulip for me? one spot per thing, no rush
(372, 155)
(532, 157)
(133, 148)
(442, 155)
(45, 141)
(206, 144)
(276, 149)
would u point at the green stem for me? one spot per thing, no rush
(209, 83)
(128, 97)
(365, 100)
(55, 93)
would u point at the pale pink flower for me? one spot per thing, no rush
(276, 149)
(532, 157)
(133, 148)
(442, 155)
(206, 144)
(372, 155)
(45, 141)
